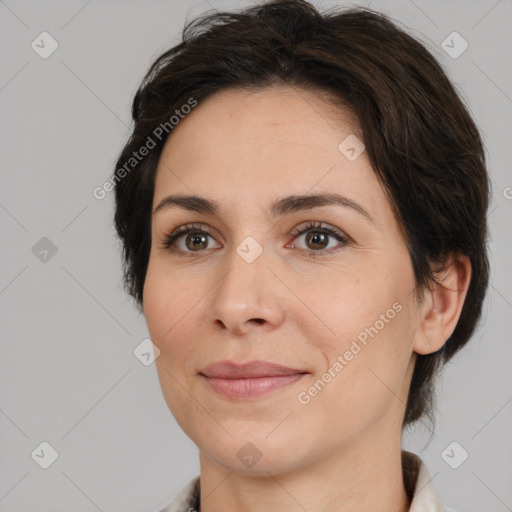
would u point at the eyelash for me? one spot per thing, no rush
(170, 239)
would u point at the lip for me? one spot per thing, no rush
(249, 380)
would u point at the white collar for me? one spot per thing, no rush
(424, 497)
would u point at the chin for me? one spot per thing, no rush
(251, 461)
(254, 454)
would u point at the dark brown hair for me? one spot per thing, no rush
(419, 136)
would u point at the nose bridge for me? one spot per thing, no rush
(246, 290)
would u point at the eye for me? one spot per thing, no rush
(195, 241)
(317, 238)
(193, 238)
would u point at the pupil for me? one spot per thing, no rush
(317, 238)
(197, 241)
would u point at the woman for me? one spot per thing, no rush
(308, 249)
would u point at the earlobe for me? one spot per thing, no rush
(442, 310)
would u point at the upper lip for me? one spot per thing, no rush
(252, 369)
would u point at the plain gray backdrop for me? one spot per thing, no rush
(69, 376)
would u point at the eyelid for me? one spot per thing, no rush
(320, 226)
(169, 239)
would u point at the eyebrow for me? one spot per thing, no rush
(279, 208)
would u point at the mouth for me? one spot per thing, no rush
(250, 380)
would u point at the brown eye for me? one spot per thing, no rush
(317, 240)
(196, 241)
(188, 239)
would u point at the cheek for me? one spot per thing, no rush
(156, 301)
(369, 335)
(368, 379)
(349, 303)
(166, 310)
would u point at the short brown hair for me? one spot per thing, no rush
(419, 136)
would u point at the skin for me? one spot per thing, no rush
(340, 451)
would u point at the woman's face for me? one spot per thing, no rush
(336, 308)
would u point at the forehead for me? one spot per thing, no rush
(278, 114)
(266, 143)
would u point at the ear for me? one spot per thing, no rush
(442, 305)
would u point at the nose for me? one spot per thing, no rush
(248, 296)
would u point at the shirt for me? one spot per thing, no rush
(418, 486)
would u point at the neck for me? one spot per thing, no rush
(363, 477)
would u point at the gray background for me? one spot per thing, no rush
(68, 374)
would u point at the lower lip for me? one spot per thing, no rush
(244, 389)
